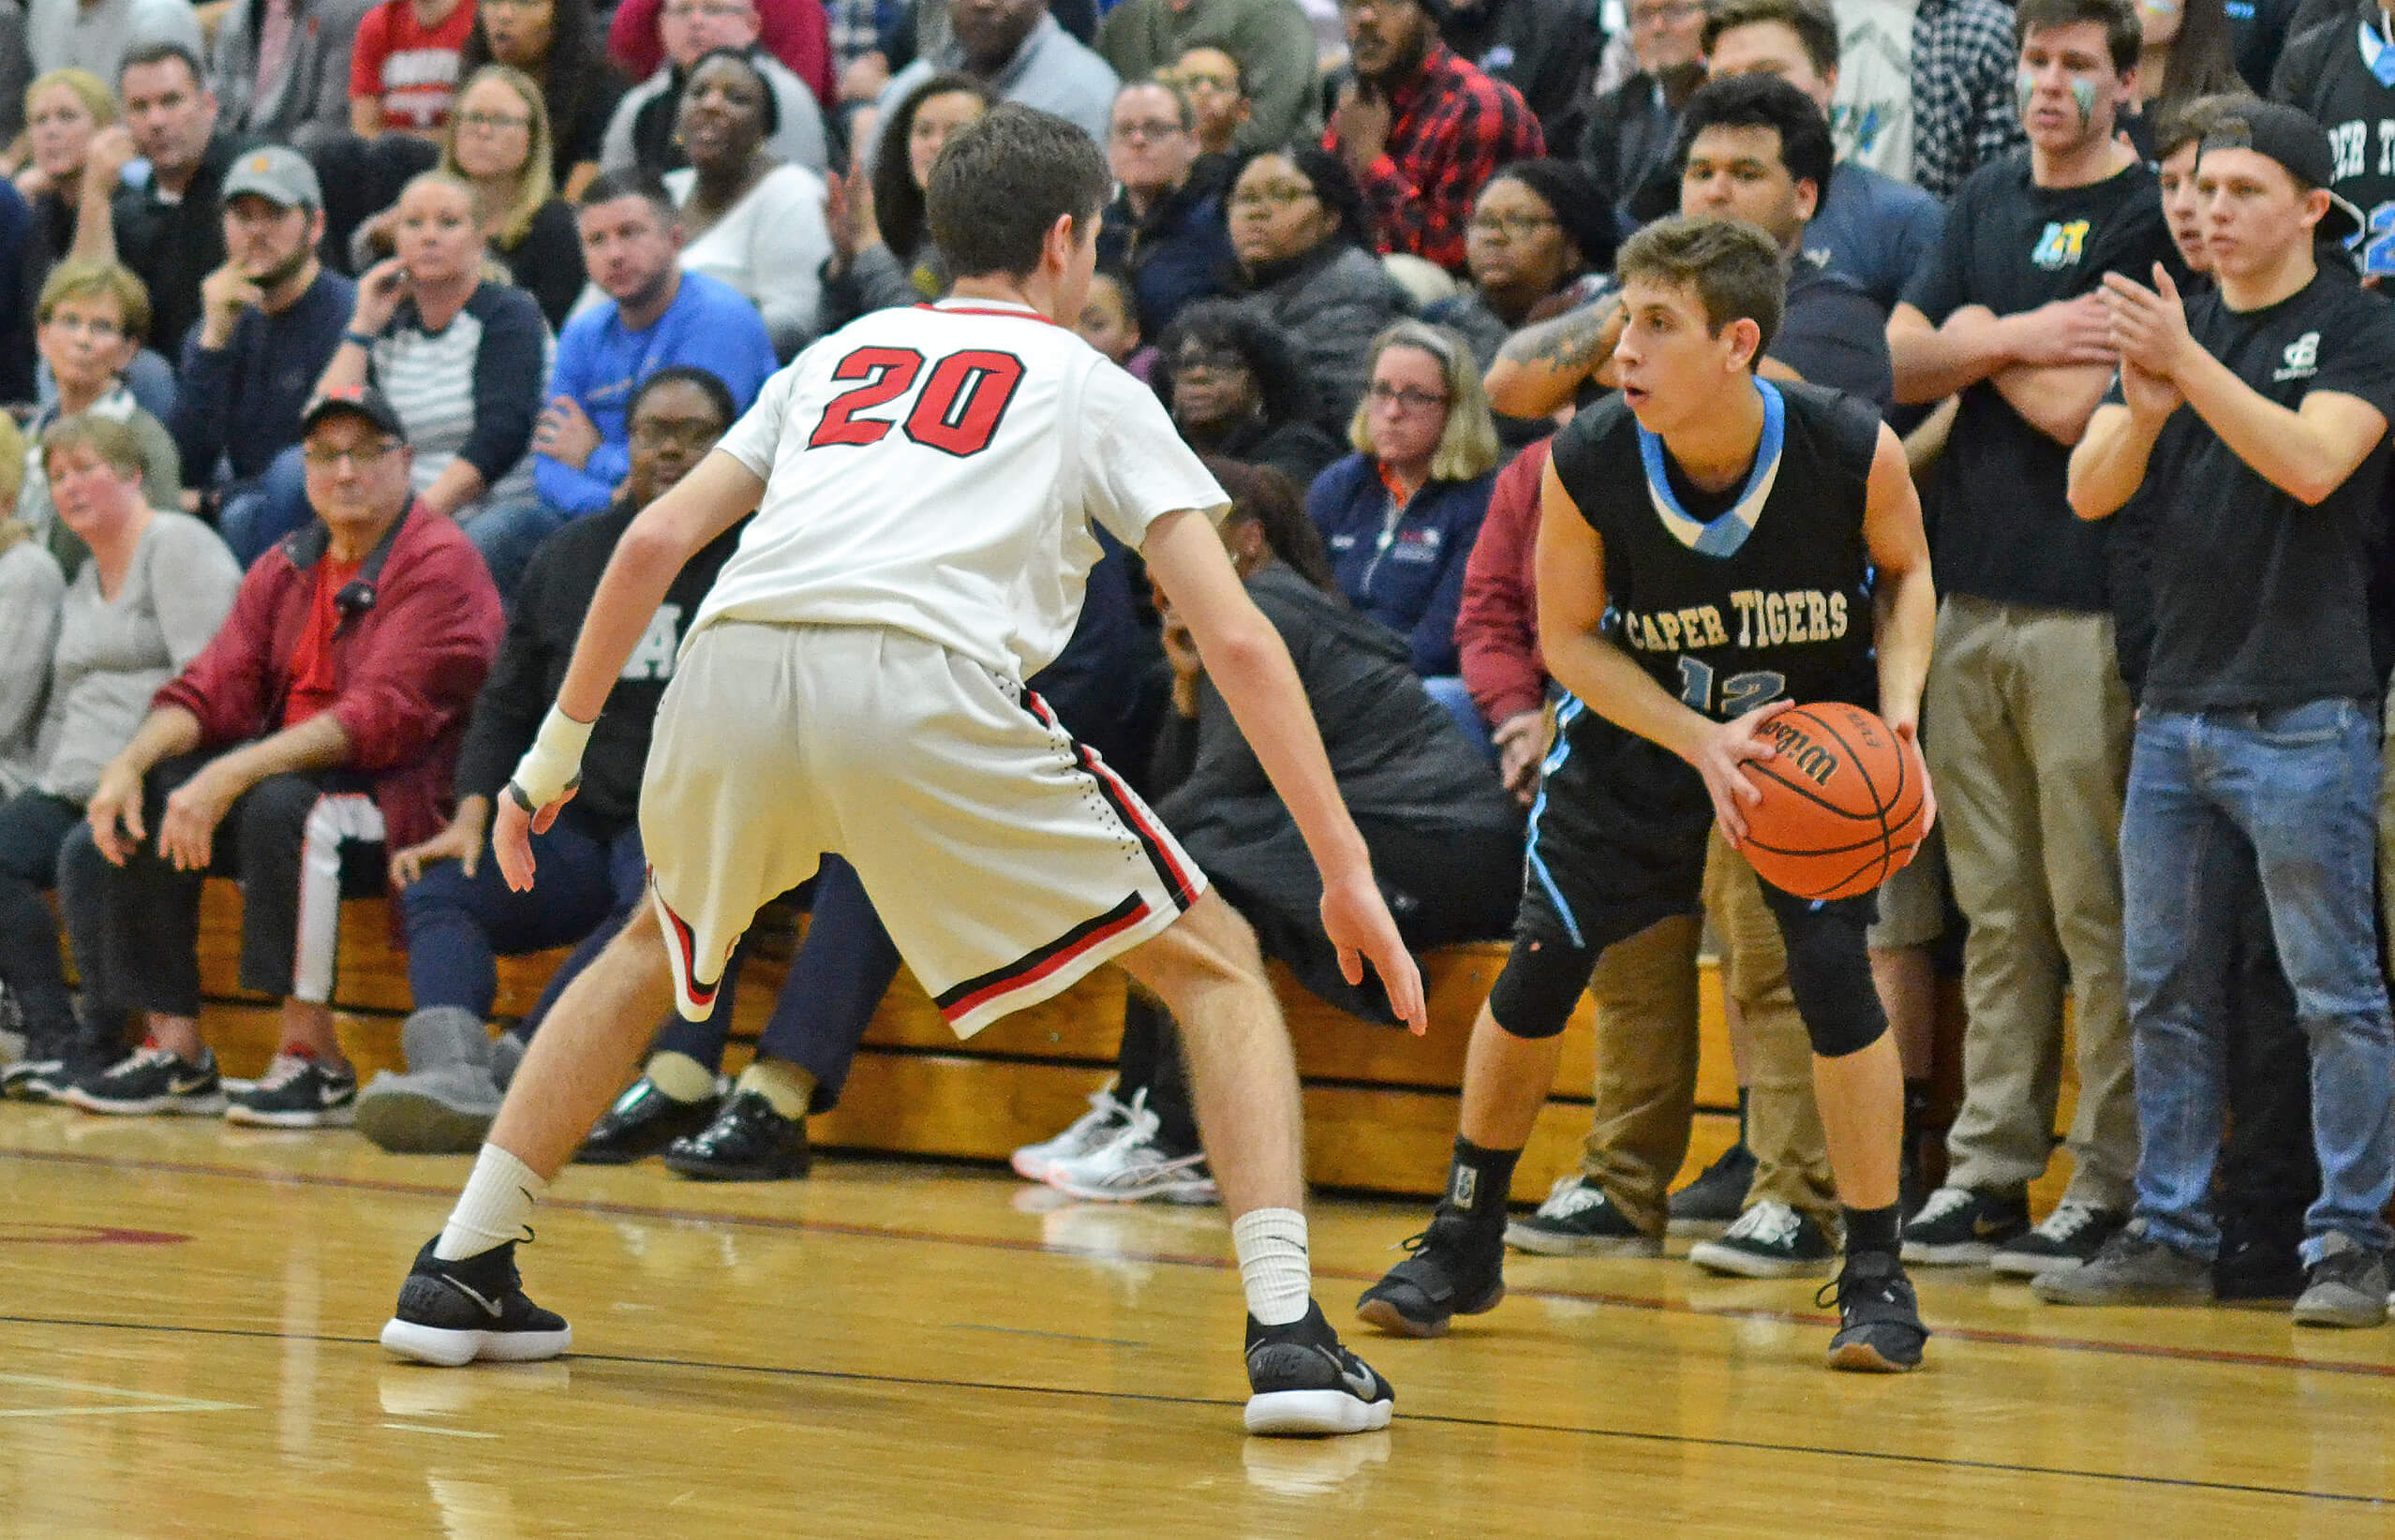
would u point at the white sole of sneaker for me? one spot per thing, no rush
(157, 1106)
(1195, 1194)
(1964, 1254)
(1522, 1238)
(2021, 1264)
(1696, 1229)
(322, 1118)
(1314, 1414)
(1028, 1169)
(1732, 1262)
(454, 1349)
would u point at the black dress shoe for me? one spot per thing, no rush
(747, 1142)
(643, 1121)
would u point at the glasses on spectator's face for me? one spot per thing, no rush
(1669, 14)
(98, 328)
(1204, 79)
(1518, 226)
(1404, 397)
(1198, 358)
(515, 4)
(1149, 129)
(494, 122)
(1272, 196)
(361, 458)
(696, 433)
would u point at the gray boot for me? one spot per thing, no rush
(2132, 1269)
(444, 1105)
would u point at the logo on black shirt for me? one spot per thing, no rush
(2062, 245)
(2301, 360)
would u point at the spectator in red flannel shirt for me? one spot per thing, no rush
(1422, 129)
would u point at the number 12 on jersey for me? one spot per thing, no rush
(1740, 692)
(956, 411)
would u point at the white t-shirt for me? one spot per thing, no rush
(1871, 111)
(935, 469)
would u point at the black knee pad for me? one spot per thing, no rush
(1829, 971)
(1544, 977)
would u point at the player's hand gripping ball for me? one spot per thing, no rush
(1845, 802)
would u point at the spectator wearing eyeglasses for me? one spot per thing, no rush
(1421, 130)
(1163, 229)
(1297, 225)
(555, 44)
(1269, 42)
(88, 324)
(643, 131)
(1236, 392)
(322, 720)
(1217, 86)
(1632, 128)
(1400, 514)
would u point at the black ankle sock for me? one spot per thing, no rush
(1874, 1230)
(1479, 1180)
(1742, 1115)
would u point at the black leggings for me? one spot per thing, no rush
(33, 825)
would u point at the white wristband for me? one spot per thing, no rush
(553, 766)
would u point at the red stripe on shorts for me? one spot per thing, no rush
(686, 944)
(1042, 963)
(1126, 804)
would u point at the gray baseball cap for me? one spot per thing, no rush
(281, 176)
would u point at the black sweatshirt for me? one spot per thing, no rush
(550, 604)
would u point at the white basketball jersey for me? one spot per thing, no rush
(936, 469)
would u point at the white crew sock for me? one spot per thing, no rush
(1271, 1243)
(495, 1207)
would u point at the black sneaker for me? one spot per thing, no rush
(1457, 1268)
(1578, 1219)
(1962, 1227)
(454, 1312)
(1879, 1319)
(643, 1121)
(2258, 1270)
(296, 1092)
(1770, 1240)
(1303, 1381)
(2069, 1238)
(149, 1081)
(1717, 1196)
(747, 1142)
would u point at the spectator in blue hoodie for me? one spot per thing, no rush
(270, 321)
(1401, 513)
(655, 316)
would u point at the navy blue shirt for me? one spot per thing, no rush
(1402, 567)
(1873, 230)
(242, 402)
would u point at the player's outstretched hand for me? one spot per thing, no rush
(512, 833)
(1358, 923)
(1728, 749)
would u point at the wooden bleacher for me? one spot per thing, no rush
(1380, 1104)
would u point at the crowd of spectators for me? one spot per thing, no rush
(344, 340)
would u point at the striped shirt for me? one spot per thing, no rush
(470, 391)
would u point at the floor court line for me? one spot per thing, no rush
(1500, 1424)
(1657, 1304)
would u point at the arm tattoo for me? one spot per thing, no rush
(1577, 341)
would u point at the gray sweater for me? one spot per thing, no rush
(113, 655)
(30, 585)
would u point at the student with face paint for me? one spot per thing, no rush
(2028, 723)
(2254, 417)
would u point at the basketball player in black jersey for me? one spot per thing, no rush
(1713, 548)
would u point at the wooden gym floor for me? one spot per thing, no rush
(188, 1319)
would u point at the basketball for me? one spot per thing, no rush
(1842, 803)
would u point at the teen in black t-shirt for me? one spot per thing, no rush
(2255, 419)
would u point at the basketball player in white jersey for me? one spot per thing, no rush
(925, 480)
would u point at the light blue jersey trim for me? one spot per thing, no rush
(1726, 534)
(1569, 708)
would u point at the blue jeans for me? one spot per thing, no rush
(256, 513)
(2300, 785)
(508, 534)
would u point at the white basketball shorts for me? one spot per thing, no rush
(1006, 860)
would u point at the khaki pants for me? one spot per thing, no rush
(2028, 737)
(1646, 991)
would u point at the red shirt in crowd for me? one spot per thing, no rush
(1449, 128)
(409, 67)
(797, 31)
(315, 682)
(1497, 628)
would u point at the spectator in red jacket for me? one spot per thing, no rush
(797, 31)
(1496, 625)
(321, 722)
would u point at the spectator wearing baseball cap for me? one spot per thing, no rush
(270, 321)
(2255, 419)
(321, 722)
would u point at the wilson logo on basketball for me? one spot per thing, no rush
(1797, 750)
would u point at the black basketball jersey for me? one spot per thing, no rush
(2343, 73)
(1734, 600)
